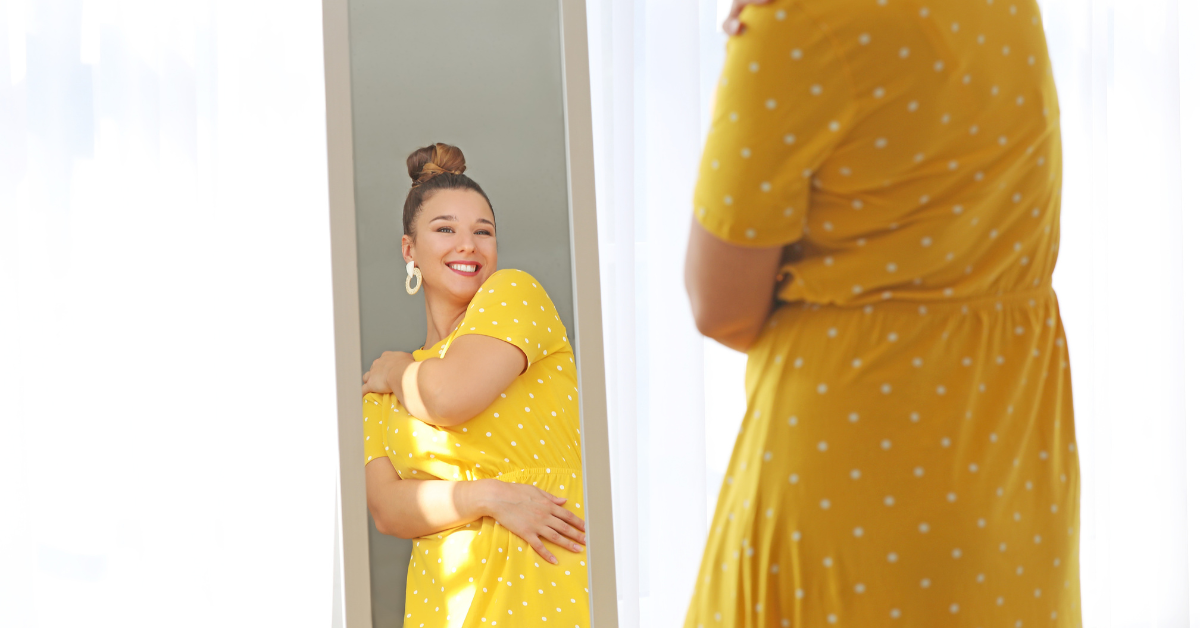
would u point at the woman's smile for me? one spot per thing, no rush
(466, 269)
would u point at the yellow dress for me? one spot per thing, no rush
(480, 574)
(908, 453)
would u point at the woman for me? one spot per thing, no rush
(472, 441)
(876, 224)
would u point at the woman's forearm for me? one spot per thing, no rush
(731, 288)
(451, 390)
(411, 508)
(420, 388)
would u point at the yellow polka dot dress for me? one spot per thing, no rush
(907, 457)
(480, 574)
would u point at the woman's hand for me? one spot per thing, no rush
(532, 514)
(376, 380)
(732, 25)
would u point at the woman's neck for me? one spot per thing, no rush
(441, 317)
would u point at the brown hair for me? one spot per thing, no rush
(433, 168)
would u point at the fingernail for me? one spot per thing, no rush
(553, 560)
(575, 546)
(730, 26)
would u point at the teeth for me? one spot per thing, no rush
(466, 268)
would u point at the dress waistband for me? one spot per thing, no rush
(510, 476)
(998, 301)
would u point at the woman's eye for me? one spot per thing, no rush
(483, 232)
(445, 230)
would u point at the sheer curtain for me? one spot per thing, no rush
(167, 401)
(1128, 279)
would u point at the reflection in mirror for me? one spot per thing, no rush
(471, 433)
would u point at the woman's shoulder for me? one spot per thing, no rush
(512, 277)
(512, 281)
(510, 286)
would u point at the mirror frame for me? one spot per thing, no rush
(352, 585)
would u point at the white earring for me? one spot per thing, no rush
(413, 271)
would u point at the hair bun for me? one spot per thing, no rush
(430, 161)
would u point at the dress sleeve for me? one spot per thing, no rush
(513, 306)
(783, 102)
(374, 422)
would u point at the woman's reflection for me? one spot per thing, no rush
(472, 441)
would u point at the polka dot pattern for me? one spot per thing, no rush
(913, 393)
(481, 574)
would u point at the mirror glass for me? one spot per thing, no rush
(486, 77)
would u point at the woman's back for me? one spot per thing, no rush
(928, 131)
(907, 456)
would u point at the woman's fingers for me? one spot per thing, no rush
(733, 25)
(552, 497)
(552, 535)
(569, 517)
(540, 548)
(572, 535)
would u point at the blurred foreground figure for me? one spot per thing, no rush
(876, 224)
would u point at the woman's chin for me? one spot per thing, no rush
(461, 288)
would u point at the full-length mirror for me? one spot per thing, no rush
(477, 315)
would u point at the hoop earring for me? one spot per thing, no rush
(413, 271)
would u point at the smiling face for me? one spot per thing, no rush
(454, 244)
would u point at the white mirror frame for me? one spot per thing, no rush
(353, 584)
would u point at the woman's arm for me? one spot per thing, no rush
(451, 390)
(731, 287)
(412, 508)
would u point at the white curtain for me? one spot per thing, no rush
(1129, 281)
(1128, 278)
(167, 440)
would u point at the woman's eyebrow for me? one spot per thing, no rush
(486, 221)
(445, 217)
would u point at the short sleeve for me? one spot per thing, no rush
(513, 306)
(783, 102)
(374, 422)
